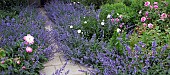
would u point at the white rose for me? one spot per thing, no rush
(79, 31)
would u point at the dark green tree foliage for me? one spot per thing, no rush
(8, 4)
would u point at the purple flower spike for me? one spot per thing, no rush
(137, 48)
(164, 48)
(154, 44)
(128, 49)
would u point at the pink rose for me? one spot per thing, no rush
(156, 3)
(147, 3)
(18, 62)
(28, 49)
(150, 25)
(2, 62)
(113, 20)
(151, 6)
(23, 67)
(29, 39)
(155, 6)
(163, 16)
(120, 16)
(143, 19)
(168, 15)
(120, 25)
(117, 20)
(148, 18)
(146, 13)
(144, 24)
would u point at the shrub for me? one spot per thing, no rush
(118, 9)
(97, 3)
(4, 14)
(152, 24)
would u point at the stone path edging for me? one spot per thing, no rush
(58, 61)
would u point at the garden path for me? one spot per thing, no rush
(58, 61)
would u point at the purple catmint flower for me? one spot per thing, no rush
(142, 44)
(154, 44)
(164, 48)
(137, 48)
(128, 49)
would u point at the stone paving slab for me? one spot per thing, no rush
(48, 70)
(58, 61)
(54, 62)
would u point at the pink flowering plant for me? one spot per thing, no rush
(23, 57)
(154, 14)
(23, 44)
(152, 24)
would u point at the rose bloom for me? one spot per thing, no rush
(146, 13)
(140, 11)
(85, 22)
(148, 18)
(79, 31)
(150, 25)
(118, 30)
(113, 20)
(23, 67)
(156, 3)
(151, 6)
(155, 6)
(18, 62)
(108, 16)
(28, 49)
(120, 16)
(102, 23)
(163, 16)
(120, 25)
(2, 62)
(71, 26)
(144, 24)
(117, 20)
(29, 39)
(147, 3)
(143, 19)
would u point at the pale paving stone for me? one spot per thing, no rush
(48, 70)
(53, 62)
(73, 70)
(58, 55)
